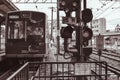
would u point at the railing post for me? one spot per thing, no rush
(106, 70)
(27, 71)
(117, 77)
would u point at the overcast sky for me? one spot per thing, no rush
(101, 9)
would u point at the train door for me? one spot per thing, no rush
(15, 37)
(2, 33)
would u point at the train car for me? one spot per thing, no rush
(26, 35)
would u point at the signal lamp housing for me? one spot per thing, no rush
(87, 15)
(87, 33)
(66, 32)
(70, 5)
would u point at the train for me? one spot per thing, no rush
(27, 35)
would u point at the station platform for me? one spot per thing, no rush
(2, 54)
(57, 66)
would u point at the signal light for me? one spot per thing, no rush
(70, 5)
(87, 15)
(66, 32)
(63, 3)
(87, 35)
(74, 4)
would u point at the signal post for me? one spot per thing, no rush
(83, 33)
(79, 38)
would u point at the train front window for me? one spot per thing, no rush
(15, 30)
(21, 25)
(22, 29)
(35, 31)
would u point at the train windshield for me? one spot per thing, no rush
(21, 27)
(15, 30)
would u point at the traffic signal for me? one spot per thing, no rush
(87, 35)
(66, 32)
(68, 5)
(87, 15)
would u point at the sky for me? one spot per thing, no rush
(100, 8)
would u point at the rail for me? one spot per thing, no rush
(114, 71)
(108, 54)
(60, 71)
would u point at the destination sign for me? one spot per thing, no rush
(13, 17)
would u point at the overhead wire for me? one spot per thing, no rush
(100, 9)
(110, 13)
(105, 10)
(101, 2)
(113, 9)
(114, 19)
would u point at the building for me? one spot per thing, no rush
(117, 28)
(99, 26)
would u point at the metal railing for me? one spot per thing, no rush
(21, 74)
(61, 71)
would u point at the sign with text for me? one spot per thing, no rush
(100, 42)
(68, 20)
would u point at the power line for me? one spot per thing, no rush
(106, 9)
(114, 19)
(109, 0)
(111, 12)
(34, 1)
(101, 9)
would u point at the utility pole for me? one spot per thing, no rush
(51, 22)
(58, 30)
(79, 38)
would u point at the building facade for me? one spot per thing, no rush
(99, 26)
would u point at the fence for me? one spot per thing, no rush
(61, 71)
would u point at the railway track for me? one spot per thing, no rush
(112, 59)
(7, 73)
(7, 68)
(109, 67)
(108, 55)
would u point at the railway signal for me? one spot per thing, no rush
(87, 15)
(66, 32)
(68, 5)
(87, 35)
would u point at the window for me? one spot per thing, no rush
(15, 30)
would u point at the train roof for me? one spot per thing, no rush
(25, 11)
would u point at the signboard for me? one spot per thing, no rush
(100, 42)
(14, 17)
(68, 20)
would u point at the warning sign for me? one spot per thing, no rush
(100, 42)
